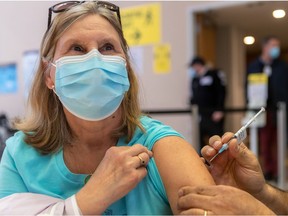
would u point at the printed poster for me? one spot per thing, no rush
(8, 79)
(142, 24)
(257, 90)
(162, 58)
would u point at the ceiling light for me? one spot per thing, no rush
(278, 13)
(248, 40)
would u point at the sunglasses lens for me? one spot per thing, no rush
(108, 6)
(64, 6)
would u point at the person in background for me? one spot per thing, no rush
(241, 187)
(208, 92)
(276, 70)
(85, 147)
(5, 132)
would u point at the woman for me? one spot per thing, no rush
(85, 121)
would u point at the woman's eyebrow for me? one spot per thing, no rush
(106, 39)
(74, 40)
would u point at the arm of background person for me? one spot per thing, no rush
(220, 85)
(179, 165)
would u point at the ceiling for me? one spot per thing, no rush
(254, 18)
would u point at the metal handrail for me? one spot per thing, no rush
(187, 111)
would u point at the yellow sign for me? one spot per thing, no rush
(257, 78)
(141, 25)
(257, 90)
(162, 58)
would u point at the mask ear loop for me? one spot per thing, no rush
(53, 89)
(53, 86)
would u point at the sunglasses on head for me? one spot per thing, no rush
(66, 5)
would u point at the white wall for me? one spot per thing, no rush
(23, 24)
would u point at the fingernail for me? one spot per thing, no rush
(209, 151)
(217, 144)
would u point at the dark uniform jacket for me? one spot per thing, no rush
(208, 92)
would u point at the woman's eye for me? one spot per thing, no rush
(77, 48)
(106, 48)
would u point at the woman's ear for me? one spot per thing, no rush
(48, 79)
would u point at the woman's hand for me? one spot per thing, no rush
(121, 169)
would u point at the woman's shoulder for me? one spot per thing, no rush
(16, 143)
(154, 125)
(147, 121)
(154, 130)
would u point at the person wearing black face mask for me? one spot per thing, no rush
(275, 70)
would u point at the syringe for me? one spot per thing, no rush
(240, 135)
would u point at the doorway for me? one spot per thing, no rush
(218, 37)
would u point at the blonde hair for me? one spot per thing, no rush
(45, 126)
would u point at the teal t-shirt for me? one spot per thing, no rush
(24, 169)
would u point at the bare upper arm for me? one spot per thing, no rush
(179, 165)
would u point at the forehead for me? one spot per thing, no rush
(273, 42)
(90, 26)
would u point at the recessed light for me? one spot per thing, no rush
(279, 13)
(249, 40)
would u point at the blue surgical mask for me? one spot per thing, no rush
(274, 52)
(191, 73)
(91, 86)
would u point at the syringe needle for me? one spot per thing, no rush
(214, 157)
(240, 135)
(222, 149)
